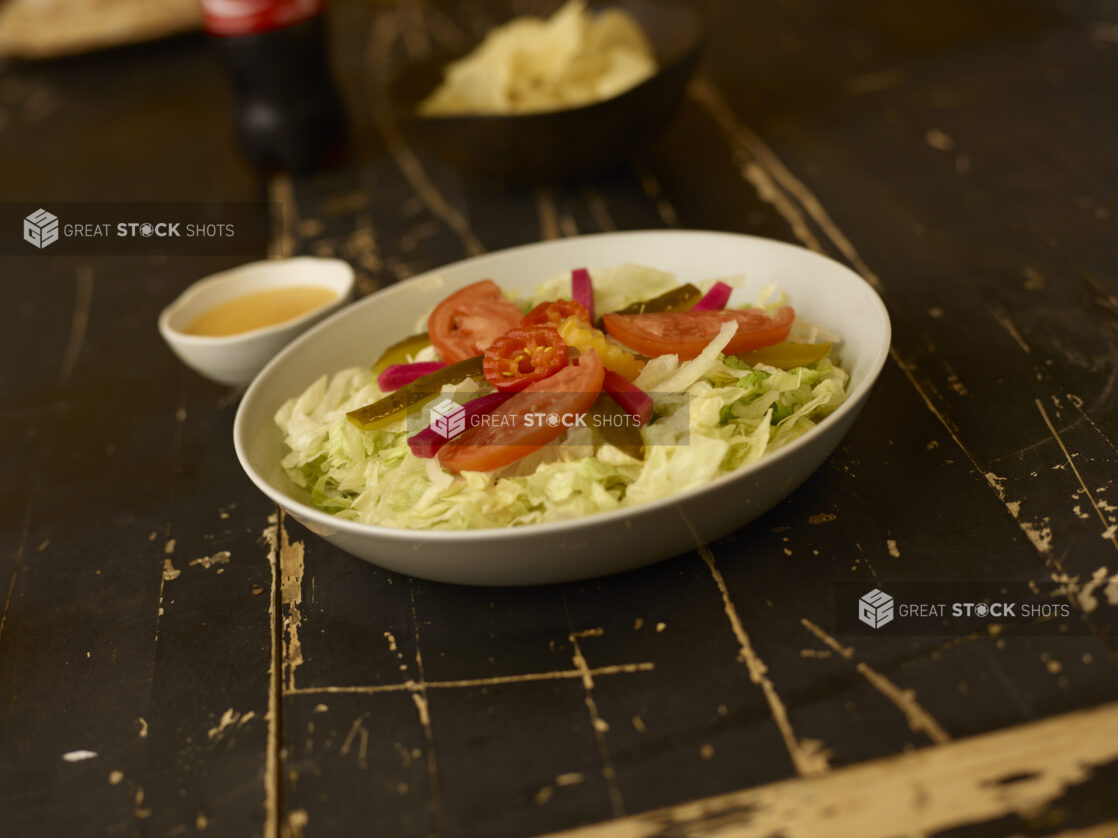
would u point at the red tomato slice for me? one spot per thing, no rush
(521, 356)
(523, 424)
(686, 333)
(554, 313)
(469, 320)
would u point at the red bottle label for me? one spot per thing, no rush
(247, 17)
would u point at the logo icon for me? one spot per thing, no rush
(40, 228)
(448, 418)
(875, 609)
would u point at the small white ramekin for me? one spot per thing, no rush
(236, 359)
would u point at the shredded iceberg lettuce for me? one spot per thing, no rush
(712, 415)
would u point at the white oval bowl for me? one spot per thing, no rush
(235, 359)
(822, 291)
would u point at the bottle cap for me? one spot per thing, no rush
(249, 17)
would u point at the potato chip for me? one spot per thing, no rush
(531, 65)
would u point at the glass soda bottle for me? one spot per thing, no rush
(288, 113)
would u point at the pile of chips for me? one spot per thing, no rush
(530, 64)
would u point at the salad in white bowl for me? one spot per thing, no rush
(608, 388)
(572, 509)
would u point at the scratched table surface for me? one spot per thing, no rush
(177, 657)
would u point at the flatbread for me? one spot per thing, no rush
(49, 28)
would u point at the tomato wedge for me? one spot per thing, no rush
(554, 313)
(529, 420)
(521, 356)
(466, 322)
(686, 333)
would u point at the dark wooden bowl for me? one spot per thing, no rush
(542, 146)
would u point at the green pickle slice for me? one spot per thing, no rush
(613, 423)
(395, 405)
(678, 299)
(786, 355)
(400, 352)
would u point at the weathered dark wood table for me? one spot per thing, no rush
(175, 657)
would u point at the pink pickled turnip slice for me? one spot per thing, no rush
(426, 443)
(631, 398)
(582, 290)
(715, 299)
(396, 376)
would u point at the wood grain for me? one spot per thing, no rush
(1016, 772)
(175, 656)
